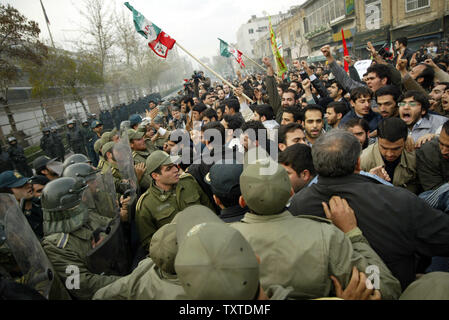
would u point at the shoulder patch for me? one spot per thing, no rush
(58, 239)
(139, 202)
(185, 175)
(62, 242)
(318, 219)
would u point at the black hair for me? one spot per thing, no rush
(203, 97)
(389, 90)
(419, 97)
(283, 130)
(299, 157)
(200, 107)
(313, 107)
(339, 107)
(361, 92)
(188, 99)
(381, 70)
(292, 91)
(265, 110)
(446, 127)
(234, 121)
(357, 122)
(402, 40)
(210, 113)
(331, 82)
(258, 128)
(295, 111)
(217, 126)
(428, 75)
(392, 129)
(232, 103)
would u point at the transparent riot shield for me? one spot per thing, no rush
(100, 195)
(30, 257)
(112, 256)
(125, 163)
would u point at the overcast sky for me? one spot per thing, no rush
(194, 24)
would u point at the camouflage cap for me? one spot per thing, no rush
(265, 186)
(107, 147)
(159, 158)
(214, 261)
(134, 135)
(98, 145)
(107, 136)
(142, 128)
(164, 247)
(431, 286)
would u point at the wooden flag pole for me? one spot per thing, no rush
(254, 62)
(208, 68)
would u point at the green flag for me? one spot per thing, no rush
(146, 28)
(224, 49)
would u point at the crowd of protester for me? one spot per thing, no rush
(355, 204)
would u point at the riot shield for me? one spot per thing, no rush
(112, 256)
(125, 163)
(25, 247)
(100, 195)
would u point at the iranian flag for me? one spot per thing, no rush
(158, 40)
(226, 51)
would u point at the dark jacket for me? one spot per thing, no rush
(372, 118)
(5, 161)
(200, 170)
(431, 167)
(397, 224)
(233, 214)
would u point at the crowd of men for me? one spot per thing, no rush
(321, 184)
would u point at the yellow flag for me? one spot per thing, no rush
(282, 68)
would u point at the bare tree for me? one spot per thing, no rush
(100, 28)
(127, 37)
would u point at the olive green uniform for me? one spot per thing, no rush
(146, 282)
(141, 156)
(71, 249)
(159, 142)
(156, 207)
(101, 163)
(115, 174)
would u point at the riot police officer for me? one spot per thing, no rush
(17, 156)
(97, 128)
(71, 233)
(75, 138)
(47, 145)
(58, 145)
(98, 200)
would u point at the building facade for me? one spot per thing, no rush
(253, 30)
(384, 21)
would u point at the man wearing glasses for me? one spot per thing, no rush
(413, 109)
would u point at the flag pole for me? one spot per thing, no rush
(48, 28)
(254, 62)
(208, 68)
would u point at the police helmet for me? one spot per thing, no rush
(81, 171)
(75, 158)
(62, 194)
